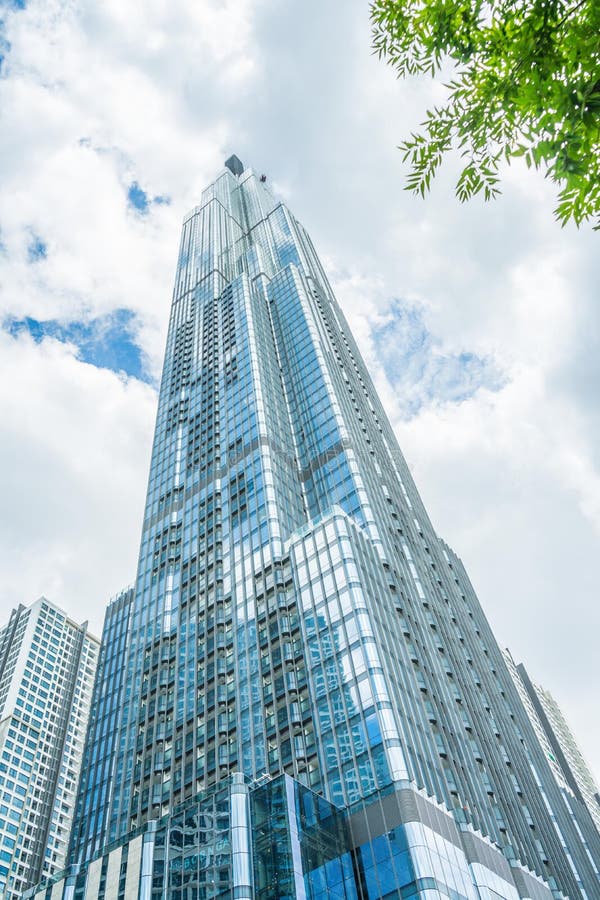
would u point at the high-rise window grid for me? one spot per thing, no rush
(47, 667)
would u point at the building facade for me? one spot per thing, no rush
(564, 745)
(96, 785)
(566, 759)
(47, 668)
(275, 838)
(295, 614)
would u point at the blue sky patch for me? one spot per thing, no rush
(140, 201)
(137, 197)
(37, 249)
(4, 48)
(108, 342)
(418, 368)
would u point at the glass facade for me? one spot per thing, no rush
(295, 612)
(301, 844)
(95, 787)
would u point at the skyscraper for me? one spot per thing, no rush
(307, 673)
(47, 668)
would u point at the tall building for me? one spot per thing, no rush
(47, 668)
(566, 759)
(96, 786)
(311, 702)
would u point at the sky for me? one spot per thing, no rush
(480, 323)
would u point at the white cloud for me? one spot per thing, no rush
(74, 450)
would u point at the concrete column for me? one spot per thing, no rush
(241, 838)
(148, 862)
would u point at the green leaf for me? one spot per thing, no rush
(525, 82)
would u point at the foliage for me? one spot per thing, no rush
(525, 82)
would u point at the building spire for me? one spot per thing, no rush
(235, 165)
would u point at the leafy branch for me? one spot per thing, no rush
(526, 83)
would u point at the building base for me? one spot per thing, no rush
(276, 839)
